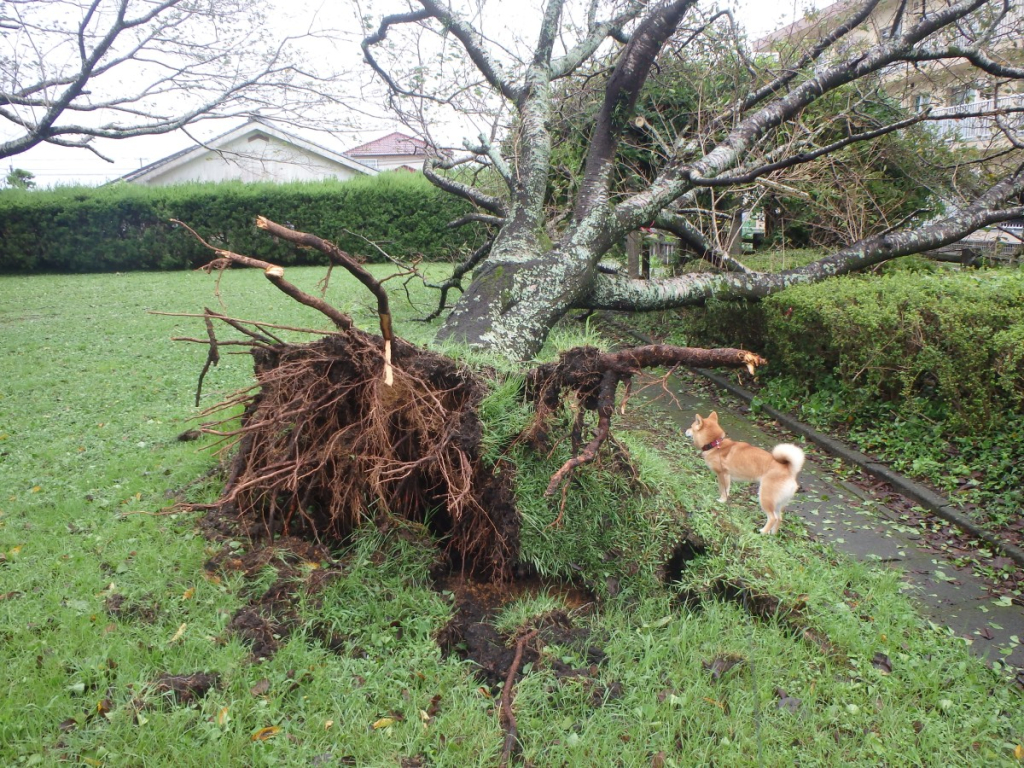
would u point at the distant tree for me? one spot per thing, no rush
(19, 178)
(72, 71)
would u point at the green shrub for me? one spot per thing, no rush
(951, 340)
(125, 227)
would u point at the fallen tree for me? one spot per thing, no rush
(353, 426)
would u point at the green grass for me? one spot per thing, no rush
(92, 396)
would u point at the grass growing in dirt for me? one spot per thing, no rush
(129, 638)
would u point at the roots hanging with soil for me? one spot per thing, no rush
(354, 426)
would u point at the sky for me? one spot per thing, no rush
(53, 165)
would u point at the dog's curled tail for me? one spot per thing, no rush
(788, 453)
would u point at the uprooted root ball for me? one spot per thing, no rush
(324, 443)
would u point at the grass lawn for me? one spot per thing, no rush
(116, 623)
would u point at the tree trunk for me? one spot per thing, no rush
(514, 301)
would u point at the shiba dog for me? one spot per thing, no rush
(731, 460)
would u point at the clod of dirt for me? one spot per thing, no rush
(119, 608)
(185, 689)
(270, 616)
(470, 635)
(260, 634)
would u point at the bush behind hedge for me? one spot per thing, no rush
(125, 227)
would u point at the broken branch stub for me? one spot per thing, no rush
(343, 259)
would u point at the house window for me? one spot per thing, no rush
(922, 101)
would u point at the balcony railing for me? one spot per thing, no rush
(977, 129)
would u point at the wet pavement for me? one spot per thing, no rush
(859, 524)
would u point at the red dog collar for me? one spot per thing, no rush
(713, 444)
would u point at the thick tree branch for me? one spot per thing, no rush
(597, 34)
(612, 292)
(824, 44)
(695, 239)
(275, 275)
(678, 177)
(975, 56)
(808, 156)
(465, 191)
(595, 377)
(623, 89)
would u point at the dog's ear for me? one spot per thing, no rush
(697, 420)
(713, 416)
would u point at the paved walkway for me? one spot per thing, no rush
(862, 526)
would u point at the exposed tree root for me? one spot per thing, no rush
(507, 696)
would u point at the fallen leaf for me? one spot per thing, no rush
(265, 733)
(178, 634)
(435, 706)
(188, 593)
(328, 724)
(658, 761)
(384, 722)
(986, 633)
(1018, 752)
(882, 663)
(792, 703)
(222, 716)
(260, 688)
(721, 664)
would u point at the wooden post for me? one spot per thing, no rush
(734, 242)
(634, 242)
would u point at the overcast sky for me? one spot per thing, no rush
(56, 165)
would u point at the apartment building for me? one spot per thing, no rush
(967, 98)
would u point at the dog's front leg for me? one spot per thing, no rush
(723, 486)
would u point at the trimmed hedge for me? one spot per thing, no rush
(952, 339)
(125, 227)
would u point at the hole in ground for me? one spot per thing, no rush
(683, 553)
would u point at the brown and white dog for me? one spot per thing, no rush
(731, 460)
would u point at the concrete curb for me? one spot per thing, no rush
(933, 502)
(927, 498)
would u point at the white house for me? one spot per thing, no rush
(396, 150)
(255, 151)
